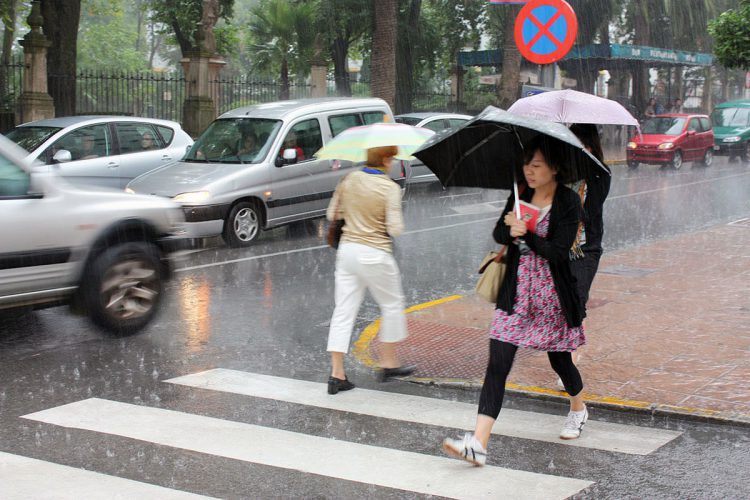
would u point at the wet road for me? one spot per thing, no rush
(265, 310)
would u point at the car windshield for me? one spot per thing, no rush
(235, 140)
(731, 117)
(30, 138)
(664, 125)
(408, 120)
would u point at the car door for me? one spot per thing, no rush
(299, 188)
(94, 159)
(693, 140)
(142, 149)
(37, 257)
(707, 134)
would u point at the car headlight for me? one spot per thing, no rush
(192, 197)
(666, 145)
(632, 145)
(732, 139)
(129, 191)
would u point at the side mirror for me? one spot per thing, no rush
(62, 156)
(290, 155)
(279, 162)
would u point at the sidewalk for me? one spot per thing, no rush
(668, 330)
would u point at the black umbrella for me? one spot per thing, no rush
(487, 151)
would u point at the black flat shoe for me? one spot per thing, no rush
(335, 385)
(386, 374)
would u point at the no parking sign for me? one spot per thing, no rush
(546, 30)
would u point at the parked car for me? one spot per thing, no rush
(102, 150)
(673, 139)
(106, 253)
(433, 121)
(732, 130)
(417, 171)
(253, 168)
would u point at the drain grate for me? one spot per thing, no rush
(629, 272)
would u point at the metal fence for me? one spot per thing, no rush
(230, 93)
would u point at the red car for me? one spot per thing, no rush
(672, 140)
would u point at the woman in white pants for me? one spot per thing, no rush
(370, 204)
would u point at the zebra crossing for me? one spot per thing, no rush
(408, 471)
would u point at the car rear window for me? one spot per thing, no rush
(166, 133)
(339, 123)
(373, 117)
(408, 120)
(30, 138)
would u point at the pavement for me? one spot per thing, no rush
(668, 332)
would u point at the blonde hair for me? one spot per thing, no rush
(375, 156)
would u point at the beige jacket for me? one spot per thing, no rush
(371, 206)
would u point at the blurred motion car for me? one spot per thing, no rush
(104, 252)
(673, 139)
(417, 171)
(254, 167)
(102, 150)
(731, 122)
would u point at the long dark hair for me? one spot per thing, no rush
(589, 136)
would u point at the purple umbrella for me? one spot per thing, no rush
(570, 106)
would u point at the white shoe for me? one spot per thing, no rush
(560, 383)
(468, 448)
(574, 424)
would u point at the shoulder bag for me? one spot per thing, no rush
(492, 271)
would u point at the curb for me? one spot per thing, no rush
(361, 351)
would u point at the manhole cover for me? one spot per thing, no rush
(632, 272)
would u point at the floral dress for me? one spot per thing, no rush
(538, 321)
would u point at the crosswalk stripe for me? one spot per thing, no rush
(23, 478)
(607, 436)
(426, 474)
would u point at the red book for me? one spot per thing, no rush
(529, 214)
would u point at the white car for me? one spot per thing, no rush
(106, 253)
(102, 150)
(417, 172)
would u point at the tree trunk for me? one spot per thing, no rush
(340, 56)
(641, 74)
(405, 69)
(383, 63)
(9, 22)
(508, 91)
(60, 26)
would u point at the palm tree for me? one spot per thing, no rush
(383, 62)
(282, 36)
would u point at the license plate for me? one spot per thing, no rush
(716, 148)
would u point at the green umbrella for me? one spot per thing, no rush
(352, 144)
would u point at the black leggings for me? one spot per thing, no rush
(499, 365)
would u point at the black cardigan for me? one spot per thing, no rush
(565, 214)
(596, 193)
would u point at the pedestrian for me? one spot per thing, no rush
(537, 305)
(370, 204)
(650, 110)
(676, 106)
(593, 191)
(659, 108)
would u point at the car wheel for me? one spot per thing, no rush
(633, 164)
(745, 155)
(677, 160)
(123, 287)
(243, 224)
(708, 157)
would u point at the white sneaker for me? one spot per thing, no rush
(560, 383)
(574, 424)
(468, 448)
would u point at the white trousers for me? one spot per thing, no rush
(360, 267)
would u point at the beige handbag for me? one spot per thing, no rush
(492, 271)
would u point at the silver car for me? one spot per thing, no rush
(106, 253)
(254, 167)
(102, 150)
(417, 172)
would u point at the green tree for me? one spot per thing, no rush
(731, 32)
(182, 18)
(282, 37)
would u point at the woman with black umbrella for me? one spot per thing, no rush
(538, 306)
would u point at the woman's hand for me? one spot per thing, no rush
(517, 227)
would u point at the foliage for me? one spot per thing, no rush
(180, 18)
(731, 32)
(108, 27)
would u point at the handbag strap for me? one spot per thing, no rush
(499, 257)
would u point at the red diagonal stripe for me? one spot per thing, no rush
(544, 29)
